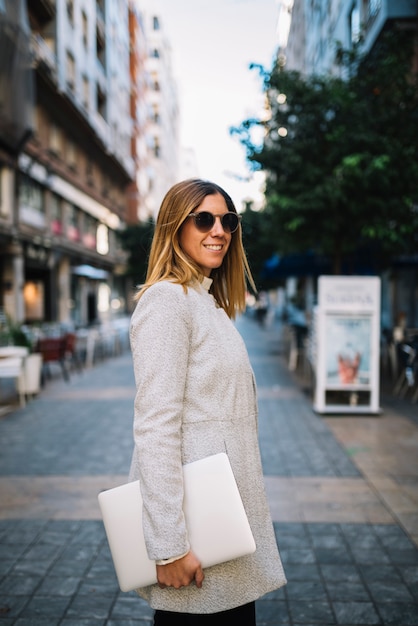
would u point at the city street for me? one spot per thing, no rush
(343, 493)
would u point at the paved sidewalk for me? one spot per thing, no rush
(343, 495)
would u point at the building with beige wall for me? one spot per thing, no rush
(64, 178)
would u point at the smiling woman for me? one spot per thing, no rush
(178, 245)
(195, 398)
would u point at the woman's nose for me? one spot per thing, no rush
(217, 227)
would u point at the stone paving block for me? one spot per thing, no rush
(307, 590)
(389, 591)
(397, 614)
(92, 607)
(46, 607)
(93, 534)
(12, 606)
(360, 613)
(388, 573)
(69, 568)
(272, 613)
(312, 612)
(347, 573)
(327, 541)
(297, 556)
(370, 556)
(298, 572)
(346, 591)
(11, 552)
(59, 585)
(103, 585)
(332, 556)
(19, 585)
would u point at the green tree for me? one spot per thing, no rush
(136, 241)
(257, 243)
(341, 155)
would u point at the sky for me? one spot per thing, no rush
(213, 42)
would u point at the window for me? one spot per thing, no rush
(85, 26)
(157, 149)
(155, 23)
(155, 83)
(89, 171)
(71, 154)
(56, 214)
(86, 92)
(89, 232)
(101, 103)
(31, 202)
(155, 113)
(70, 11)
(55, 139)
(70, 71)
(155, 53)
(73, 231)
(6, 192)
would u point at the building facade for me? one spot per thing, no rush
(66, 159)
(317, 26)
(163, 114)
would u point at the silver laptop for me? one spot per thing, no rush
(216, 521)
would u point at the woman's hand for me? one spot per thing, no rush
(181, 573)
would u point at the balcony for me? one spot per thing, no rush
(102, 129)
(43, 57)
(44, 10)
(377, 14)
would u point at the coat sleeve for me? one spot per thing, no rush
(160, 339)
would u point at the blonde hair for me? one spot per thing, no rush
(167, 261)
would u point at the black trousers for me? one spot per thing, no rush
(242, 615)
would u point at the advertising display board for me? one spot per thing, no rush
(347, 345)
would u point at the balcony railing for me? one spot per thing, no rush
(43, 56)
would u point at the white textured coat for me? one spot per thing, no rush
(196, 397)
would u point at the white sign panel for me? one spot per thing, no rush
(347, 351)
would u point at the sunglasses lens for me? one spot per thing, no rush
(204, 221)
(230, 222)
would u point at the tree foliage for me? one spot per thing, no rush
(136, 241)
(257, 242)
(341, 155)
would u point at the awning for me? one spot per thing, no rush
(90, 272)
(295, 265)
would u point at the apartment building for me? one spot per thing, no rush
(65, 158)
(163, 112)
(140, 86)
(318, 25)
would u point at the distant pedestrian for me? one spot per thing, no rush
(196, 397)
(262, 307)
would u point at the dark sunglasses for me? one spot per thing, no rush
(204, 221)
